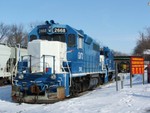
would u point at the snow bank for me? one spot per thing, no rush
(104, 99)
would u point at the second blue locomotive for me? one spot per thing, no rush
(61, 62)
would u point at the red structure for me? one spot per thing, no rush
(137, 65)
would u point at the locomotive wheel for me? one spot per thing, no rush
(110, 77)
(102, 79)
(75, 88)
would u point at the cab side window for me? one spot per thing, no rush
(71, 40)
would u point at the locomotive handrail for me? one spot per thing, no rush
(53, 62)
(30, 56)
(69, 72)
(12, 72)
(29, 59)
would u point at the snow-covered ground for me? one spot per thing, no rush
(101, 100)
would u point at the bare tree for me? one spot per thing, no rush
(4, 30)
(17, 35)
(24, 41)
(143, 43)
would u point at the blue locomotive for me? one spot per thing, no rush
(61, 62)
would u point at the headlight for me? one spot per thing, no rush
(53, 77)
(20, 76)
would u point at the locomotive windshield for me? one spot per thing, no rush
(33, 37)
(54, 37)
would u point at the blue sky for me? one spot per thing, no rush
(114, 23)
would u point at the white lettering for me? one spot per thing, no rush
(80, 55)
(59, 30)
(80, 69)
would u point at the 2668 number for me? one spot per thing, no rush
(59, 30)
